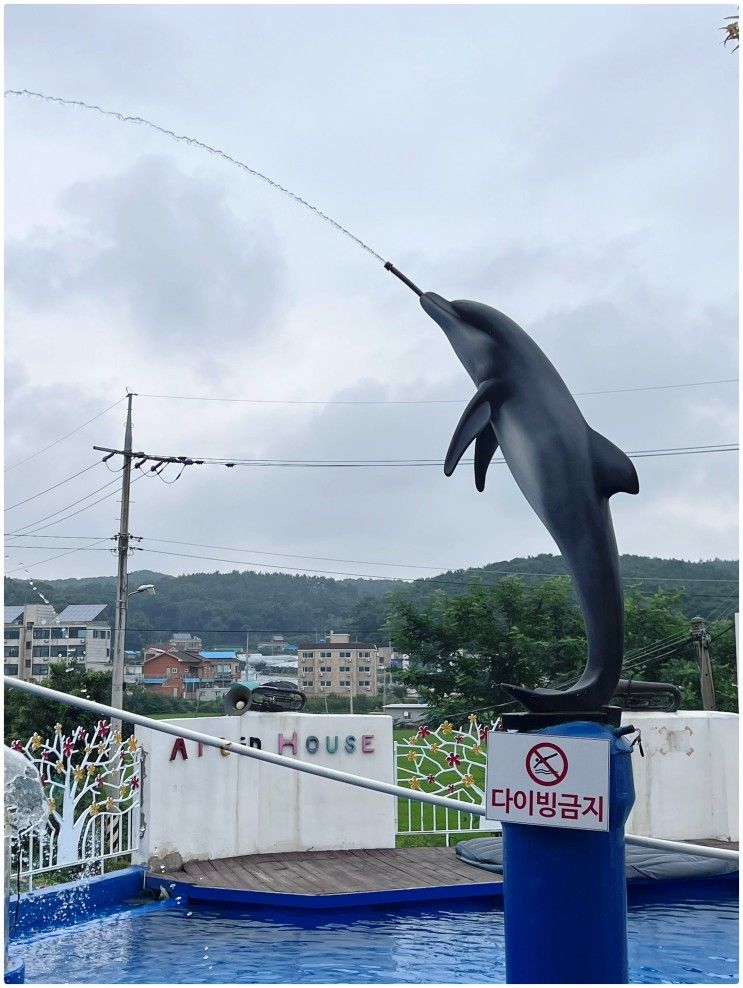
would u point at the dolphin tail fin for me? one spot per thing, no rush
(614, 470)
(474, 421)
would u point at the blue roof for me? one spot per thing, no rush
(153, 680)
(218, 655)
(191, 679)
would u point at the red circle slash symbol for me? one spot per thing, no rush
(546, 764)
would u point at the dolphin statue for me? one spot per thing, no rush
(565, 470)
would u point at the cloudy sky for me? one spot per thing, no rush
(575, 167)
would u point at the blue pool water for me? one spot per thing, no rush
(686, 941)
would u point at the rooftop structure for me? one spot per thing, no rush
(35, 636)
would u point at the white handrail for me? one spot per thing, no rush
(319, 770)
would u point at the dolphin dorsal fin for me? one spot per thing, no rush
(613, 469)
(475, 418)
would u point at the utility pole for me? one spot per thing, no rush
(701, 643)
(122, 581)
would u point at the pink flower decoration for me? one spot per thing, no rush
(135, 782)
(483, 734)
(17, 746)
(450, 788)
(67, 748)
(431, 778)
(458, 737)
(46, 755)
(424, 731)
(453, 760)
(103, 729)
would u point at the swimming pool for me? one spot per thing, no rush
(688, 940)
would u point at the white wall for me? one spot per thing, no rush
(214, 806)
(686, 786)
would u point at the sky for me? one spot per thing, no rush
(575, 167)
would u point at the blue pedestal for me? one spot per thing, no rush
(565, 891)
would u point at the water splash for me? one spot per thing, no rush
(124, 118)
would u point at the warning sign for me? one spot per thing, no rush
(548, 782)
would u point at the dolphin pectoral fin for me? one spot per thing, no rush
(613, 469)
(485, 447)
(475, 418)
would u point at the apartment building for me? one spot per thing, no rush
(35, 636)
(338, 665)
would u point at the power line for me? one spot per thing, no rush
(19, 531)
(72, 515)
(40, 561)
(439, 569)
(53, 487)
(61, 438)
(427, 401)
(390, 462)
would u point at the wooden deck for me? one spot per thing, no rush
(336, 872)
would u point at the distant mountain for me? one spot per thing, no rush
(223, 607)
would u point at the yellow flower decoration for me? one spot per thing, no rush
(35, 742)
(52, 804)
(435, 748)
(415, 783)
(132, 743)
(468, 780)
(117, 737)
(59, 767)
(446, 728)
(57, 728)
(472, 718)
(95, 809)
(413, 740)
(78, 774)
(103, 747)
(91, 769)
(123, 792)
(413, 756)
(89, 749)
(477, 749)
(110, 803)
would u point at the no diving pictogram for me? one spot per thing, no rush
(546, 764)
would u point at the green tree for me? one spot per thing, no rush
(463, 648)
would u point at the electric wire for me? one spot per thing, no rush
(58, 521)
(53, 487)
(426, 401)
(39, 562)
(61, 438)
(19, 531)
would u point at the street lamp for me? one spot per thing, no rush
(117, 671)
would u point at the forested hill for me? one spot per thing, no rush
(221, 607)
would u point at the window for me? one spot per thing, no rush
(365, 683)
(363, 655)
(28, 644)
(12, 633)
(59, 633)
(308, 655)
(39, 670)
(364, 668)
(173, 671)
(41, 632)
(77, 632)
(345, 682)
(11, 651)
(324, 683)
(326, 655)
(11, 670)
(306, 682)
(344, 668)
(344, 655)
(40, 651)
(27, 662)
(326, 668)
(307, 669)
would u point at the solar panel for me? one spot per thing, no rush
(81, 612)
(13, 613)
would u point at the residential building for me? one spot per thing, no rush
(220, 668)
(406, 714)
(180, 640)
(182, 673)
(338, 665)
(35, 635)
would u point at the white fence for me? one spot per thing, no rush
(92, 780)
(445, 761)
